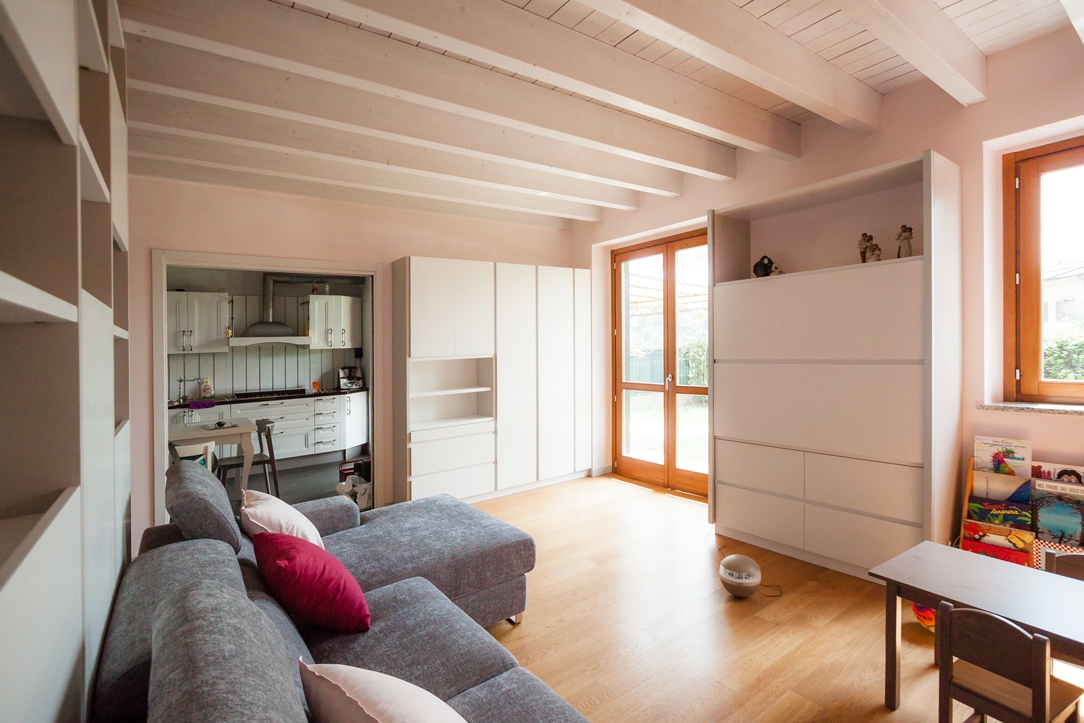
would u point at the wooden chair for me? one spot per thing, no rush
(1069, 564)
(999, 670)
(203, 453)
(265, 457)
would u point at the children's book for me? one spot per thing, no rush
(993, 486)
(1009, 538)
(1003, 456)
(1059, 511)
(1066, 473)
(1001, 553)
(1000, 512)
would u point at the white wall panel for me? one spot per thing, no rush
(582, 373)
(517, 380)
(859, 540)
(872, 411)
(473, 307)
(770, 469)
(556, 373)
(767, 516)
(864, 312)
(432, 307)
(888, 490)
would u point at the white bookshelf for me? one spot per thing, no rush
(23, 303)
(446, 392)
(92, 186)
(423, 426)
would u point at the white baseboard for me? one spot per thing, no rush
(525, 488)
(599, 471)
(837, 565)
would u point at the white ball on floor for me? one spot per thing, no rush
(740, 575)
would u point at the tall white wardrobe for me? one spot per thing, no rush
(492, 376)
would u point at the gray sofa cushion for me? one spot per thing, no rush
(125, 663)
(331, 514)
(516, 696)
(197, 502)
(218, 658)
(160, 536)
(456, 547)
(420, 636)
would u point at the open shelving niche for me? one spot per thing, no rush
(448, 392)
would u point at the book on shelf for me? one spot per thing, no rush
(1059, 512)
(1000, 512)
(1001, 553)
(1067, 473)
(993, 486)
(1003, 456)
(1009, 538)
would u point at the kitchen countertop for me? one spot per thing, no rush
(230, 399)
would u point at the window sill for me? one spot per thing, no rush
(1072, 410)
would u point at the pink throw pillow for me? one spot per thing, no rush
(310, 583)
(342, 694)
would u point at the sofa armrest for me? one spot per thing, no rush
(331, 515)
(160, 536)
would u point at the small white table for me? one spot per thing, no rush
(241, 435)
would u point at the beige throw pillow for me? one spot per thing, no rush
(266, 513)
(344, 694)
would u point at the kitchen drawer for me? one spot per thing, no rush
(767, 516)
(328, 446)
(458, 430)
(191, 416)
(290, 421)
(326, 433)
(263, 410)
(857, 539)
(325, 404)
(888, 490)
(463, 482)
(770, 469)
(453, 453)
(326, 417)
(291, 442)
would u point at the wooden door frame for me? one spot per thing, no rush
(642, 470)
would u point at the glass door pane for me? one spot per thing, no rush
(642, 307)
(1062, 246)
(691, 289)
(692, 432)
(644, 425)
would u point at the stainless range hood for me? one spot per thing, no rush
(269, 331)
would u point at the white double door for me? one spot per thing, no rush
(197, 322)
(334, 322)
(542, 331)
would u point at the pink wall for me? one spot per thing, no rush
(181, 216)
(1038, 83)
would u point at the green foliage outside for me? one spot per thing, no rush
(1063, 358)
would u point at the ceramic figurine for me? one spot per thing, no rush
(873, 253)
(776, 271)
(863, 246)
(763, 267)
(903, 238)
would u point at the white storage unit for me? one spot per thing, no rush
(493, 363)
(197, 322)
(334, 322)
(354, 413)
(829, 445)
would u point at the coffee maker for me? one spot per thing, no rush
(350, 379)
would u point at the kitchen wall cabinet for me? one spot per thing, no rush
(334, 322)
(197, 322)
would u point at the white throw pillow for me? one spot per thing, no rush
(344, 694)
(266, 513)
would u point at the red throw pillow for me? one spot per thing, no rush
(310, 583)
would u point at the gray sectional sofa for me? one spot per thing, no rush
(434, 572)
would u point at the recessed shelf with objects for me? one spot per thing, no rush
(828, 444)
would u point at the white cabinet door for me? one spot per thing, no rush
(432, 307)
(208, 322)
(556, 373)
(350, 321)
(355, 416)
(582, 373)
(176, 322)
(325, 317)
(517, 380)
(292, 442)
(473, 308)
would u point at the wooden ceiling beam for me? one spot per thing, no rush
(227, 156)
(498, 33)
(301, 43)
(721, 33)
(923, 35)
(194, 119)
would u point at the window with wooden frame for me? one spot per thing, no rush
(1044, 273)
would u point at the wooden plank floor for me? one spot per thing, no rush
(626, 618)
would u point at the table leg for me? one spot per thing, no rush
(936, 647)
(246, 450)
(892, 646)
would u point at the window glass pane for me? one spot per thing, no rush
(645, 430)
(692, 432)
(642, 309)
(1061, 222)
(691, 277)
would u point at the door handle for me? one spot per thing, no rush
(330, 338)
(669, 378)
(343, 338)
(191, 338)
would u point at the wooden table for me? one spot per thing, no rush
(1038, 601)
(241, 435)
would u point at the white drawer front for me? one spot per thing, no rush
(459, 430)
(327, 433)
(327, 446)
(262, 410)
(767, 516)
(290, 421)
(859, 540)
(325, 417)
(889, 490)
(325, 404)
(862, 410)
(446, 454)
(464, 482)
(291, 442)
(770, 469)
